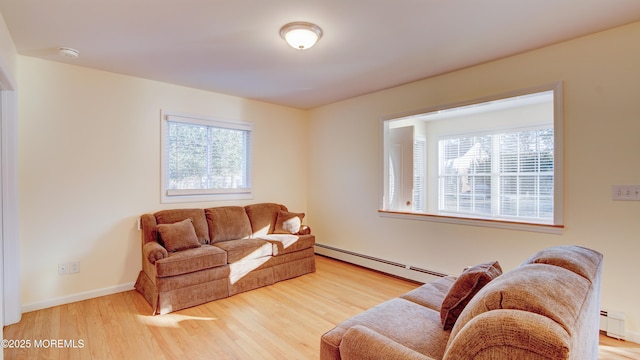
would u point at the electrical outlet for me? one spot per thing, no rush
(63, 269)
(74, 267)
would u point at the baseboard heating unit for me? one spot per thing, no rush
(612, 324)
(387, 266)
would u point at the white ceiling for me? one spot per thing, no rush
(233, 46)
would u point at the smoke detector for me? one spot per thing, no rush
(68, 52)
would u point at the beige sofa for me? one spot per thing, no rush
(547, 308)
(193, 256)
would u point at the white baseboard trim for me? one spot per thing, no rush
(386, 266)
(77, 297)
(633, 337)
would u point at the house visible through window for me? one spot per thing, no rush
(508, 174)
(205, 159)
(494, 160)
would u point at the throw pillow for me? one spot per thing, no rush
(288, 222)
(178, 236)
(465, 287)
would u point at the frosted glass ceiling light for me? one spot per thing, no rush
(301, 35)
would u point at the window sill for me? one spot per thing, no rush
(499, 224)
(206, 197)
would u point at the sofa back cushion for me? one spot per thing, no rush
(176, 215)
(263, 217)
(227, 223)
(550, 291)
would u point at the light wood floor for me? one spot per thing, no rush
(281, 321)
(611, 349)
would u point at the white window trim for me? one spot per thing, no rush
(499, 224)
(176, 196)
(558, 222)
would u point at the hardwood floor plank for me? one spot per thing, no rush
(281, 321)
(613, 349)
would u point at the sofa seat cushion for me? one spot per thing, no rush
(403, 321)
(360, 342)
(245, 249)
(227, 223)
(431, 294)
(190, 260)
(287, 243)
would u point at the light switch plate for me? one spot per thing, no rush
(625, 192)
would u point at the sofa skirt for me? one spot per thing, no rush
(294, 269)
(187, 290)
(147, 288)
(178, 299)
(255, 273)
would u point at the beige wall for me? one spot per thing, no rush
(89, 166)
(8, 57)
(10, 307)
(601, 78)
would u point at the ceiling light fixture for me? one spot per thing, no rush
(68, 52)
(301, 35)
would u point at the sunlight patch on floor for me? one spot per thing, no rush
(169, 320)
(617, 353)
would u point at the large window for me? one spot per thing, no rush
(492, 159)
(204, 159)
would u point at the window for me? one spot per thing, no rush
(492, 159)
(517, 185)
(205, 159)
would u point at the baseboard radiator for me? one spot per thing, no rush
(383, 261)
(612, 324)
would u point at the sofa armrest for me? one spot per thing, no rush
(152, 251)
(513, 334)
(149, 225)
(360, 342)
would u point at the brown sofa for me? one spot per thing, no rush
(547, 308)
(193, 256)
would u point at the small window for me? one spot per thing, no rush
(205, 159)
(494, 159)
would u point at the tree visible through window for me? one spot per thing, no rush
(205, 157)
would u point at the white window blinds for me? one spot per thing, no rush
(204, 156)
(504, 175)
